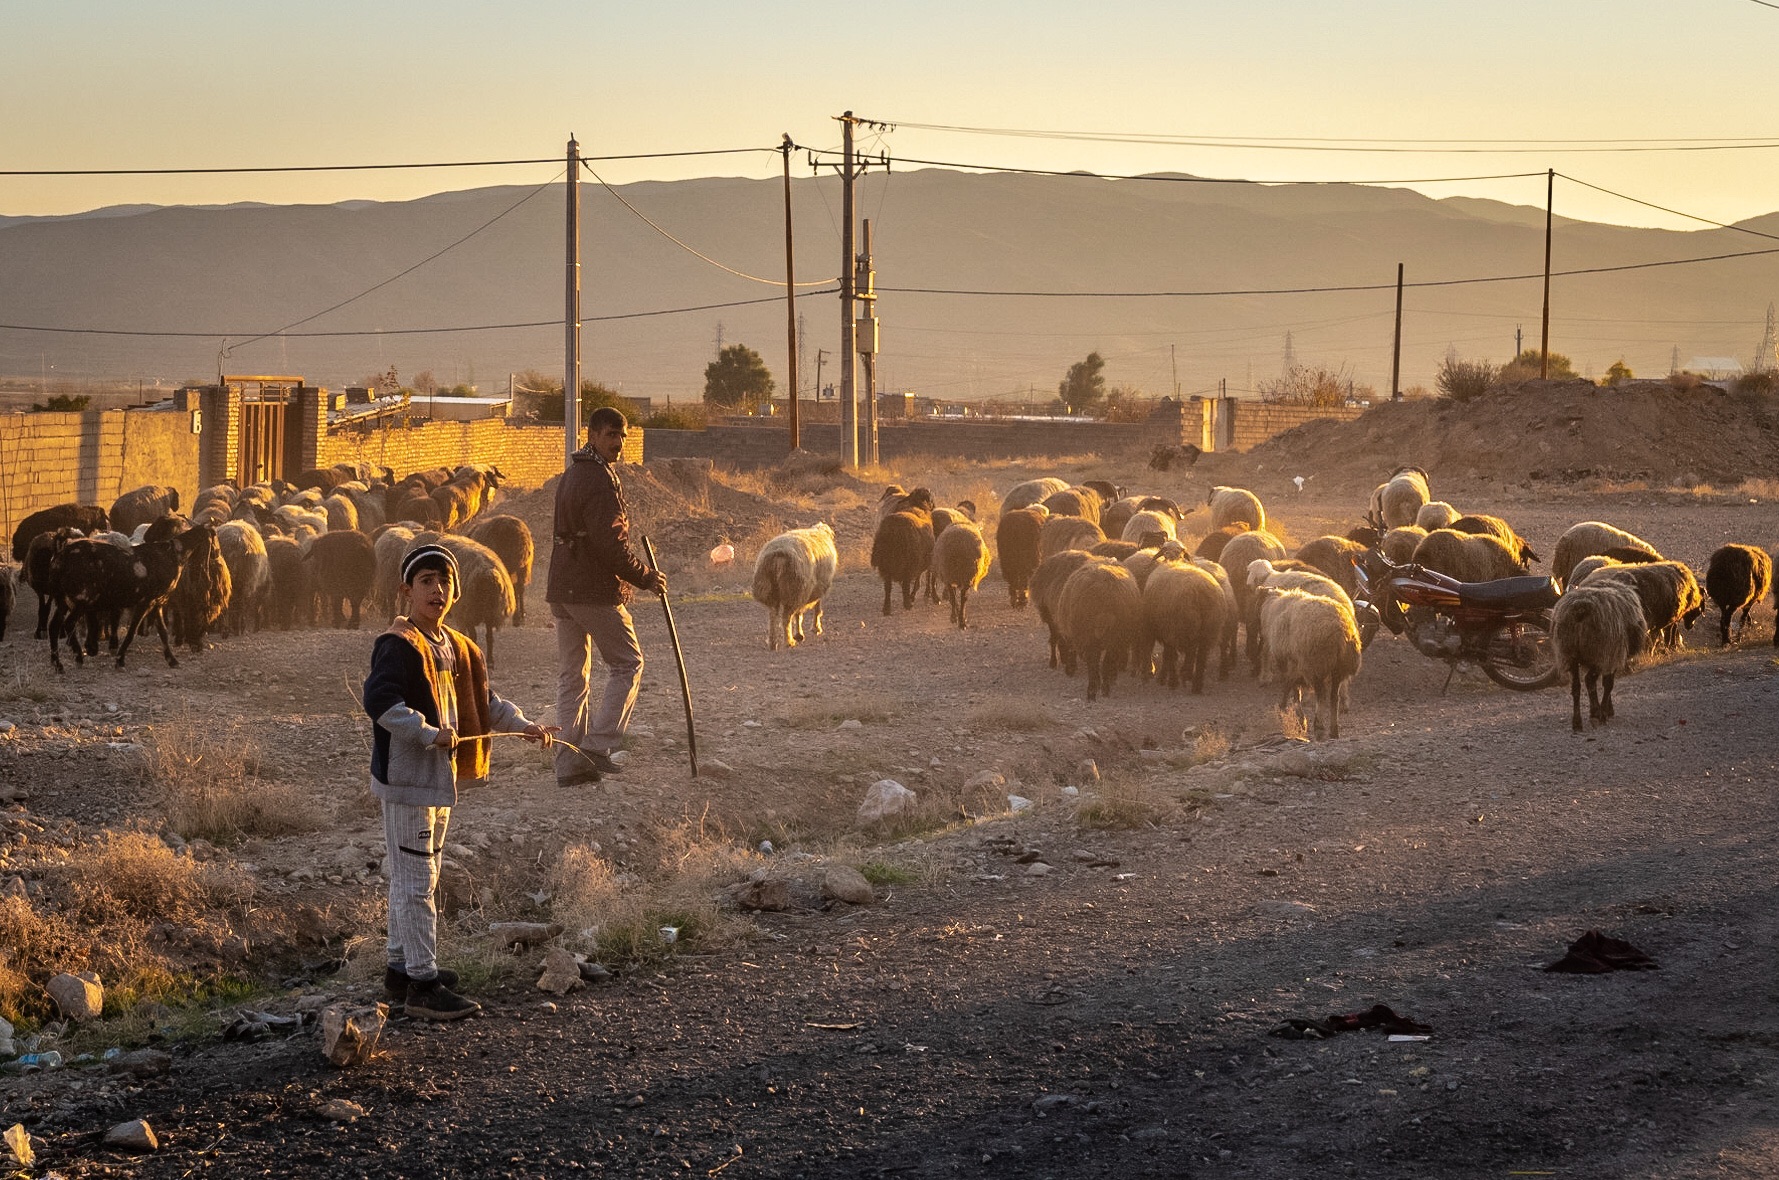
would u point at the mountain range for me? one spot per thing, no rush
(1092, 254)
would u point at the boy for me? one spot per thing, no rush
(429, 697)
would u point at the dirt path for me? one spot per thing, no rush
(1104, 1021)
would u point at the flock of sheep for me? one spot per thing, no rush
(1115, 583)
(328, 545)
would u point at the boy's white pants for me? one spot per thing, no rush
(416, 839)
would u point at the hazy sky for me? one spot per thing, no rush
(208, 83)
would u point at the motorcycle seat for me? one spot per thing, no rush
(1510, 593)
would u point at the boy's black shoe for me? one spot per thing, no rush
(395, 982)
(431, 1000)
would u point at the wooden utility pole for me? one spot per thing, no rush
(1396, 348)
(1550, 190)
(821, 354)
(571, 313)
(1174, 364)
(790, 298)
(849, 406)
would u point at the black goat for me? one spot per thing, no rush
(94, 578)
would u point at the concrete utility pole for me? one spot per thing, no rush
(1550, 191)
(790, 298)
(865, 290)
(1396, 346)
(849, 405)
(571, 313)
(1174, 364)
(1517, 346)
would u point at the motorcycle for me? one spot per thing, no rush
(1501, 626)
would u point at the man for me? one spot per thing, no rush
(591, 574)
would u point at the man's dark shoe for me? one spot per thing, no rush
(602, 762)
(395, 983)
(579, 778)
(431, 1000)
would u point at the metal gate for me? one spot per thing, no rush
(260, 453)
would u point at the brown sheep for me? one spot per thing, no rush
(136, 508)
(1468, 557)
(341, 569)
(1067, 532)
(510, 538)
(901, 551)
(204, 589)
(1016, 540)
(1100, 612)
(1047, 584)
(1334, 558)
(1479, 525)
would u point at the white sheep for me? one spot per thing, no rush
(1310, 641)
(1468, 557)
(792, 574)
(1141, 524)
(1398, 500)
(1032, 491)
(1235, 506)
(391, 546)
(342, 513)
(1597, 626)
(1435, 514)
(1399, 545)
(1588, 538)
(250, 573)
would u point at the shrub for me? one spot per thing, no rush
(1461, 381)
(209, 774)
(676, 418)
(1302, 385)
(1759, 383)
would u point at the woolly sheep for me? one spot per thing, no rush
(920, 500)
(1310, 641)
(1235, 505)
(142, 505)
(341, 569)
(1398, 500)
(1435, 514)
(510, 538)
(1265, 573)
(1148, 521)
(1226, 648)
(1479, 525)
(1211, 545)
(1082, 502)
(1114, 516)
(371, 506)
(960, 562)
(485, 598)
(1047, 583)
(1737, 577)
(388, 548)
(85, 517)
(1116, 550)
(290, 594)
(1667, 591)
(250, 574)
(793, 573)
(1597, 627)
(1586, 539)
(292, 516)
(342, 513)
(1468, 558)
(1184, 610)
(1032, 491)
(1399, 545)
(901, 551)
(1017, 537)
(1100, 612)
(1334, 556)
(1242, 551)
(1105, 489)
(1588, 565)
(1142, 563)
(944, 518)
(1067, 532)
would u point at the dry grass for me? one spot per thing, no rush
(212, 777)
(620, 917)
(1295, 722)
(26, 680)
(128, 908)
(1759, 489)
(829, 711)
(1210, 744)
(1022, 714)
(1119, 804)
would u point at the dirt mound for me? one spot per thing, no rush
(1562, 432)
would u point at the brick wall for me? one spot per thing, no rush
(91, 458)
(528, 455)
(1255, 422)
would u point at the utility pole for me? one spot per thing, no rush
(1396, 347)
(790, 298)
(849, 341)
(1174, 363)
(851, 166)
(821, 354)
(571, 313)
(1517, 346)
(1550, 192)
(865, 290)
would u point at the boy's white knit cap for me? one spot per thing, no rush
(416, 555)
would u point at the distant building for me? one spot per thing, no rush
(1715, 368)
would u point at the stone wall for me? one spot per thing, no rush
(91, 457)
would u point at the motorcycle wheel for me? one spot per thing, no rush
(1520, 655)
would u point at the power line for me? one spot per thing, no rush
(628, 315)
(1318, 143)
(410, 270)
(1741, 229)
(1174, 179)
(362, 167)
(692, 250)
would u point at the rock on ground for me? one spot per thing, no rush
(78, 997)
(349, 1035)
(771, 895)
(135, 1135)
(562, 972)
(844, 883)
(885, 798)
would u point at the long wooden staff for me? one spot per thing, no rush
(685, 686)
